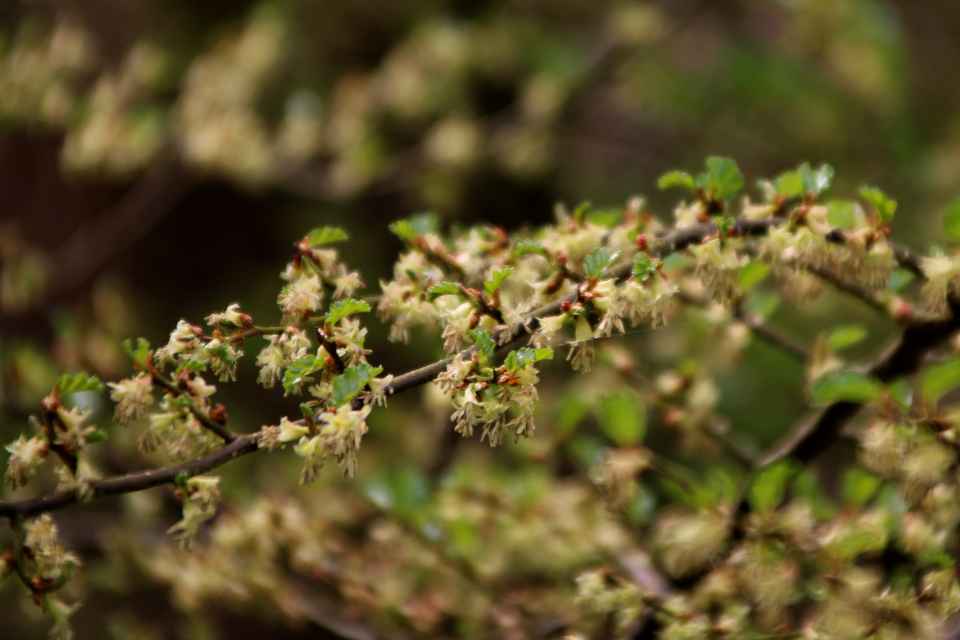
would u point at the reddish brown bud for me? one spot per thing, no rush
(219, 414)
(565, 307)
(642, 243)
(561, 258)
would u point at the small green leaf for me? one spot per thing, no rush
(403, 230)
(859, 487)
(816, 182)
(352, 381)
(581, 211)
(485, 344)
(752, 274)
(571, 411)
(900, 279)
(443, 289)
(519, 359)
(528, 246)
(140, 354)
(297, 372)
(644, 267)
(597, 262)
(622, 418)
(723, 179)
(343, 308)
(418, 225)
(951, 221)
(181, 478)
(762, 303)
(939, 379)
(193, 366)
(884, 204)
(789, 184)
(307, 411)
(768, 486)
(96, 437)
(78, 382)
(842, 214)
(679, 179)
(607, 218)
(846, 336)
(492, 286)
(326, 235)
(845, 386)
(725, 226)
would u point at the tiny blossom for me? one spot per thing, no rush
(457, 371)
(133, 397)
(341, 434)
(183, 339)
(301, 297)
(232, 316)
(311, 450)
(548, 327)
(513, 323)
(943, 278)
(616, 475)
(347, 285)
(71, 433)
(718, 267)
(877, 265)
(582, 352)
(201, 495)
(457, 323)
(52, 562)
(25, 458)
(379, 388)
(688, 541)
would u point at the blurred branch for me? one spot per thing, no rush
(86, 253)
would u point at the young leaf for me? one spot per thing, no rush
(492, 286)
(677, 179)
(68, 384)
(752, 274)
(644, 267)
(326, 235)
(622, 418)
(900, 278)
(884, 204)
(297, 372)
(518, 359)
(403, 230)
(571, 411)
(940, 379)
(485, 344)
(768, 486)
(951, 221)
(597, 262)
(528, 246)
(842, 214)
(845, 386)
(816, 182)
(417, 225)
(443, 289)
(581, 211)
(725, 226)
(140, 354)
(859, 486)
(723, 179)
(352, 381)
(788, 184)
(608, 218)
(846, 336)
(343, 308)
